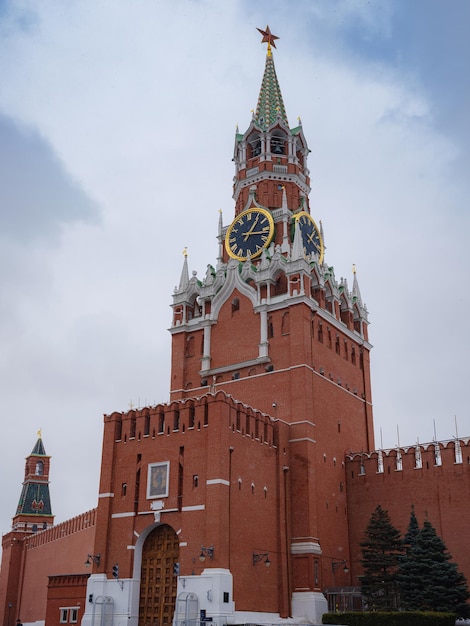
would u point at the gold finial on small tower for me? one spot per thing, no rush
(39, 433)
(185, 251)
(268, 38)
(354, 268)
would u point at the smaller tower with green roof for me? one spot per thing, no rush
(34, 511)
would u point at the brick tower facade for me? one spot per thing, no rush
(33, 514)
(272, 327)
(270, 387)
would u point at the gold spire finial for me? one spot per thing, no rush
(185, 251)
(354, 268)
(39, 433)
(268, 38)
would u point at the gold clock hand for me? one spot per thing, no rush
(251, 229)
(310, 238)
(259, 232)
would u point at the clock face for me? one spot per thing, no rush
(311, 237)
(249, 234)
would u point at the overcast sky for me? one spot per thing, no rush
(117, 124)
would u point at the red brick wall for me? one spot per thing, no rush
(439, 492)
(62, 549)
(67, 591)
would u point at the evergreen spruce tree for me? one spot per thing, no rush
(412, 533)
(381, 551)
(427, 579)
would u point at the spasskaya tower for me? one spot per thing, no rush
(272, 326)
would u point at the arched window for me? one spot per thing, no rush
(285, 324)
(270, 328)
(278, 143)
(39, 468)
(190, 346)
(254, 146)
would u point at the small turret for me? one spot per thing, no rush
(34, 507)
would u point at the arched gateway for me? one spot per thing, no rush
(158, 581)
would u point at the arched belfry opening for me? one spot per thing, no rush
(158, 581)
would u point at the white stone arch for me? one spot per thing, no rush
(233, 281)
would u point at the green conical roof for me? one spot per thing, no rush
(39, 449)
(270, 103)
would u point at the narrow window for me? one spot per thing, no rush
(176, 420)
(353, 356)
(190, 346)
(270, 328)
(192, 415)
(136, 491)
(206, 414)
(161, 422)
(132, 428)
(123, 489)
(285, 324)
(147, 425)
(64, 614)
(235, 305)
(195, 481)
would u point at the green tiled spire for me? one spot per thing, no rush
(38, 449)
(35, 498)
(270, 102)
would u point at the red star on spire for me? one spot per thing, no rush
(268, 37)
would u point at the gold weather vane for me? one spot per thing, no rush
(268, 38)
(39, 433)
(185, 251)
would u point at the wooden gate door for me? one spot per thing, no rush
(158, 582)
